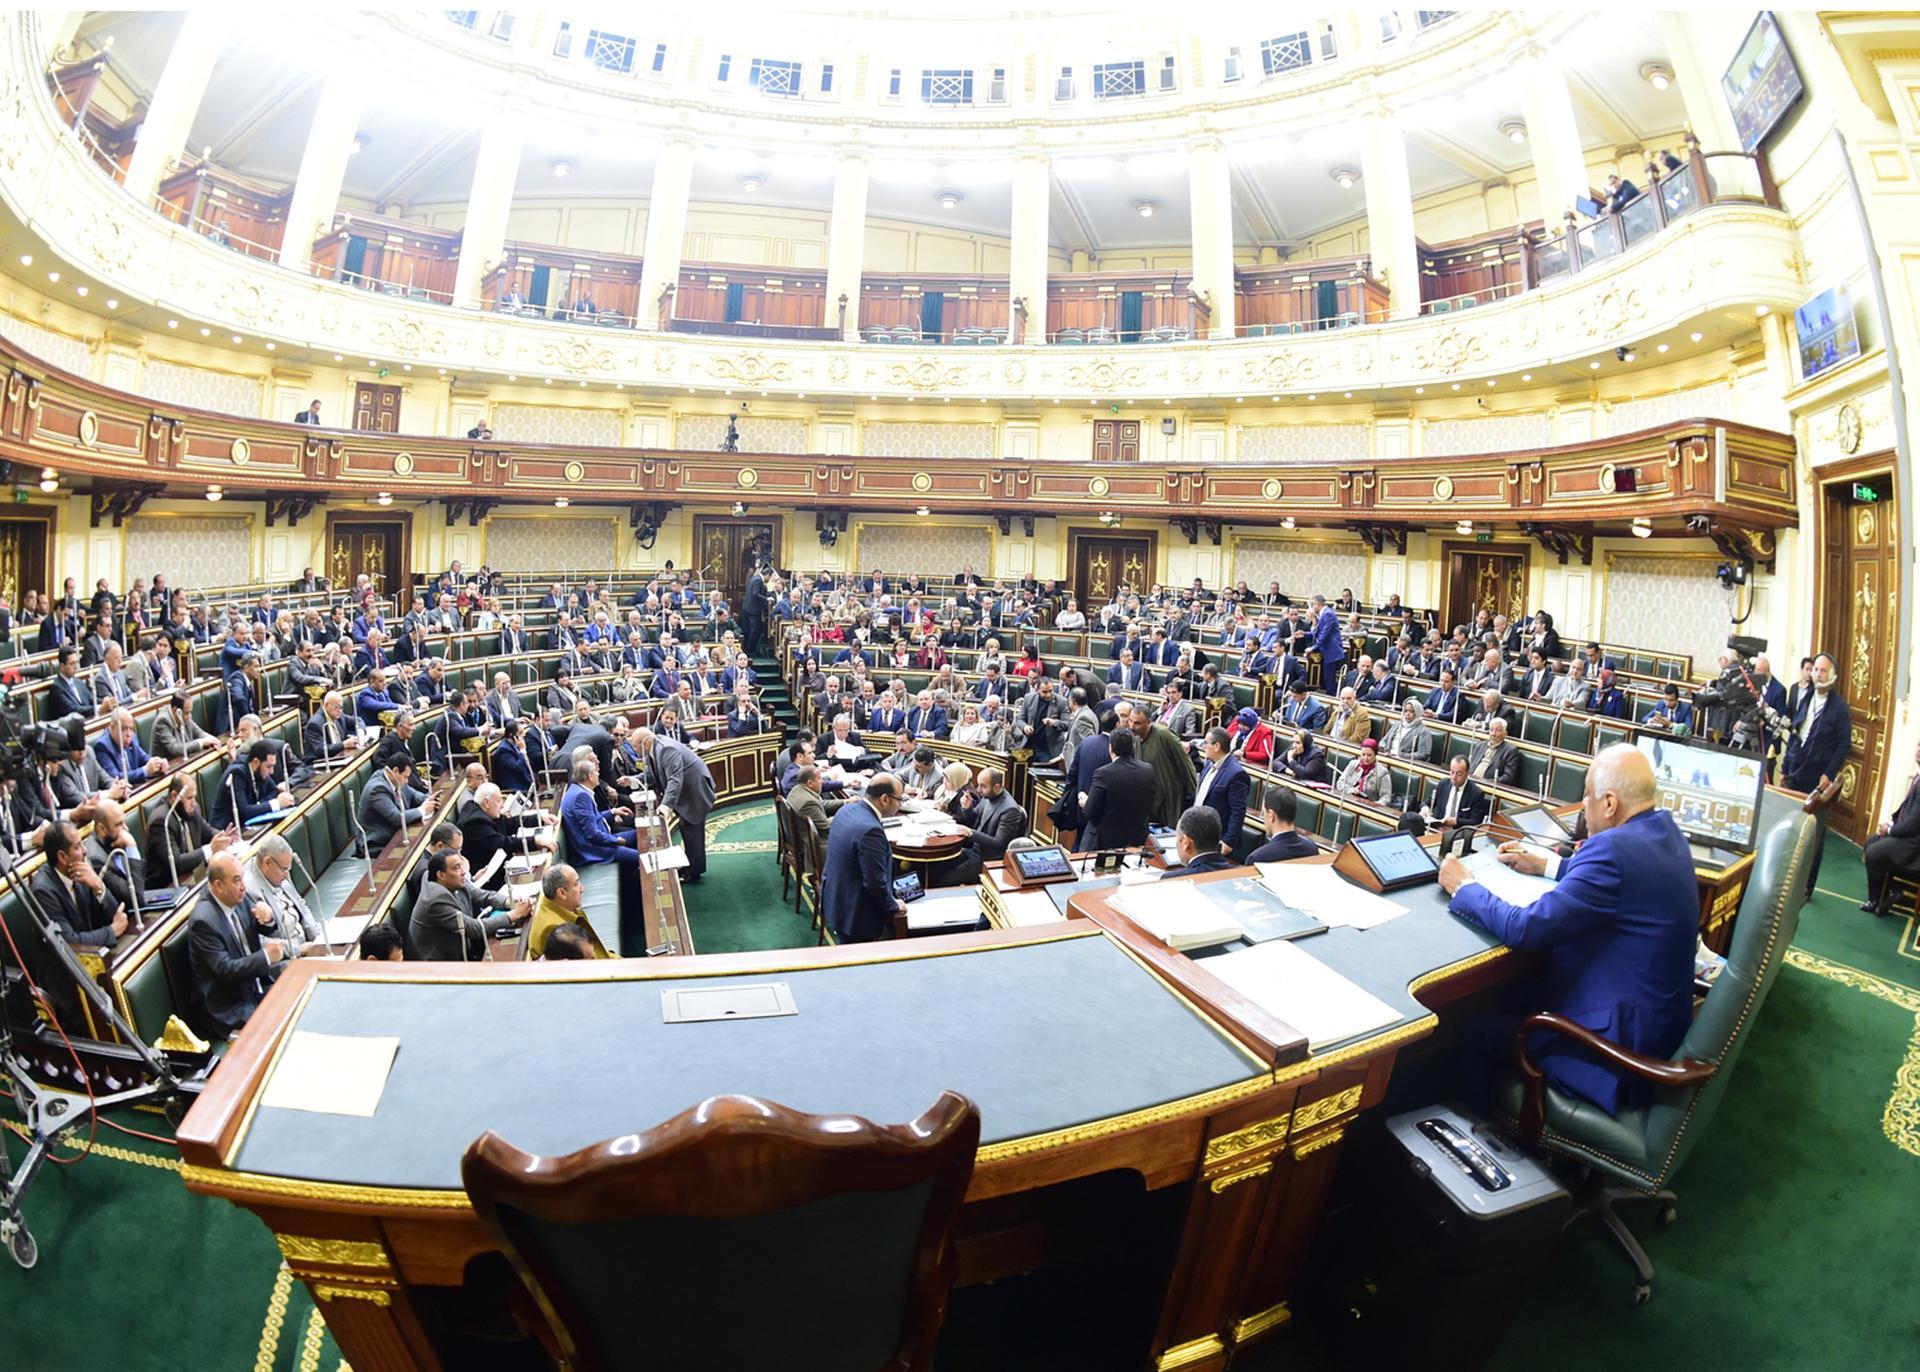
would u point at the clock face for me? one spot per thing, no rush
(1848, 429)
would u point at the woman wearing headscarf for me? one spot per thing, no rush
(1364, 777)
(1304, 761)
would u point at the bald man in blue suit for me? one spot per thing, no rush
(1616, 933)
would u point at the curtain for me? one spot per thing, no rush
(1130, 303)
(736, 300)
(933, 313)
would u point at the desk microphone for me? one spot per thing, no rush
(353, 814)
(233, 799)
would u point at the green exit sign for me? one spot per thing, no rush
(1483, 538)
(19, 497)
(1866, 495)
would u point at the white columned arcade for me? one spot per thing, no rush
(666, 224)
(323, 165)
(1383, 172)
(1027, 264)
(1559, 159)
(1210, 205)
(176, 100)
(847, 237)
(495, 168)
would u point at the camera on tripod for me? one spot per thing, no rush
(23, 747)
(1736, 694)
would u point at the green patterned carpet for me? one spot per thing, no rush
(1793, 1249)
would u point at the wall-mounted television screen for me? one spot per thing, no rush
(1826, 331)
(1762, 84)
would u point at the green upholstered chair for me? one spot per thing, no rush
(737, 1234)
(1634, 1155)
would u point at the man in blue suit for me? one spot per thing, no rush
(1326, 640)
(1223, 788)
(512, 771)
(589, 837)
(1616, 933)
(856, 878)
(1302, 711)
(1822, 732)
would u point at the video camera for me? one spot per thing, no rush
(1736, 693)
(24, 746)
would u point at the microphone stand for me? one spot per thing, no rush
(353, 814)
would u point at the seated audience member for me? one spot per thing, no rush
(442, 927)
(1409, 739)
(1365, 778)
(1302, 711)
(572, 943)
(190, 842)
(250, 788)
(382, 943)
(1672, 715)
(1284, 842)
(956, 783)
(810, 805)
(924, 776)
(1457, 800)
(1894, 850)
(1605, 698)
(329, 733)
(1197, 840)
(1305, 760)
(269, 882)
(1496, 759)
(387, 805)
(230, 948)
(84, 911)
(120, 755)
(175, 733)
(561, 915)
(1351, 721)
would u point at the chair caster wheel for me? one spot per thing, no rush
(175, 1110)
(23, 1248)
(1642, 1294)
(1668, 1214)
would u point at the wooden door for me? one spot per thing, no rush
(725, 551)
(1116, 440)
(23, 556)
(376, 409)
(1102, 563)
(378, 547)
(1481, 576)
(1859, 581)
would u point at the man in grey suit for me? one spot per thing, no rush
(1178, 713)
(269, 879)
(1042, 721)
(1081, 726)
(175, 734)
(685, 789)
(384, 810)
(809, 805)
(443, 927)
(1497, 760)
(112, 852)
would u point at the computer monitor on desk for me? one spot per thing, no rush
(1712, 793)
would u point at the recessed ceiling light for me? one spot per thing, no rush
(1660, 348)
(1311, 397)
(561, 502)
(1759, 311)
(236, 338)
(752, 182)
(49, 484)
(949, 199)
(443, 370)
(372, 363)
(1489, 381)
(1287, 523)
(561, 167)
(1456, 385)
(205, 332)
(53, 276)
(215, 493)
(26, 259)
(1419, 390)
(338, 358)
(923, 512)
(384, 498)
(408, 366)
(1514, 129)
(112, 304)
(1144, 208)
(549, 380)
(173, 323)
(1593, 366)
(1239, 400)
(271, 345)
(1346, 395)
(1346, 176)
(1656, 74)
(1526, 376)
(1464, 527)
(358, 145)
(80, 291)
(1696, 337)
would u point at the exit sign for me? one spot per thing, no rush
(1483, 538)
(1866, 495)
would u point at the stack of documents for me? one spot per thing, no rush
(661, 859)
(1314, 888)
(1177, 914)
(1293, 985)
(1516, 888)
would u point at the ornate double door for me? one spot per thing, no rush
(1103, 564)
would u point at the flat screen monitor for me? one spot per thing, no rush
(1762, 83)
(1042, 864)
(1825, 328)
(1397, 860)
(1713, 794)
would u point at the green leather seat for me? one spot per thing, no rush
(1576, 734)
(1568, 781)
(1536, 726)
(1634, 1155)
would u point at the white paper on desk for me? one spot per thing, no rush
(1176, 914)
(948, 911)
(1284, 979)
(345, 928)
(846, 750)
(661, 859)
(331, 1074)
(1022, 908)
(1314, 888)
(1141, 876)
(1516, 888)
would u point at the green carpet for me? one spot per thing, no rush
(1793, 1246)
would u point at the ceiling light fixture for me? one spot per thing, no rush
(1526, 376)
(1144, 208)
(562, 167)
(53, 276)
(1346, 176)
(173, 323)
(1759, 311)
(1656, 74)
(752, 182)
(113, 304)
(1514, 129)
(205, 332)
(1287, 523)
(26, 259)
(1419, 390)
(1643, 528)
(949, 199)
(1593, 366)
(384, 498)
(49, 484)
(272, 346)
(80, 291)
(215, 493)
(560, 502)
(1696, 336)
(923, 511)
(1464, 528)
(1661, 348)
(236, 338)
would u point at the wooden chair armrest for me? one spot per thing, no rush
(1533, 1079)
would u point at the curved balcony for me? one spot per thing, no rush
(1718, 256)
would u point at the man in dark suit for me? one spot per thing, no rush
(1223, 787)
(1497, 758)
(995, 817)
(249, 788)
(1822, 732)
(1284, 842)
(858, 903)
(385, 806)
(1615, 935)
(1458, 800)
(231, 954)
(1327, 641)
(754, 610)
(69, 693)
(1894, 850)
(329, 733)
(1197, 840)
(685, 789)
(442, 929)
(512, 769)
(310, 415)
(83, 910)
(1120, 799)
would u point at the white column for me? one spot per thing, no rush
(1559, 159)
(847, 238)
(1027, 264)
(1699, 86)
(666, 225)
(484, 236)
(57, 31)
(323, 166)
(1383, 174)
(176, 100)
(1210, 203)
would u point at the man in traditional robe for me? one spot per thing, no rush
(1160, 748)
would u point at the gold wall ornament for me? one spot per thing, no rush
(410, 337)
(1450, 352)
(575, 472)
(1860, 671)
(748, 478)
(750, 369)
(1219, 1184)
(403, 464)
(333, 1252)
(1847, 428)
(326, 1291)
(1270, 488)
(576, 357)
(1607, 478)
(1326, 1140)
(1282, 369)
(1245, 1140)
(1443, 488)
(926, 375)
(922, 481)
(241, 452)
(1258, 1323)
(1863, 525)
(1099, 486)
(89, 428)
(1105, 376)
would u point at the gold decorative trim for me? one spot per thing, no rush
(747, 477)
(922, 481)
(1426, 979)
(575, 472)
(1120, 1124)
(326, 1292)
(403, 464)
(1270, 489)
(333, 1252)
(1247, 1139)
(240, 451)
(1099, 486)
(1443, 488)
(89, 429)
(1607, 477)
(1900, 1121)
(176, 1037)
(1329, 1107)
(1326, 1140)
(1190, 1352)
(1219, 1184)
(1258, 1323)
(256, 1185)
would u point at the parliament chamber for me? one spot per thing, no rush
(1223, 690)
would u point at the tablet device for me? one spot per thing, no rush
(1042, 864)
(908, 889)
(1537, 821)
(1396, 860)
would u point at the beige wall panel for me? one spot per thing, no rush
(888, 249)
(534, 224)
(598, 228)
